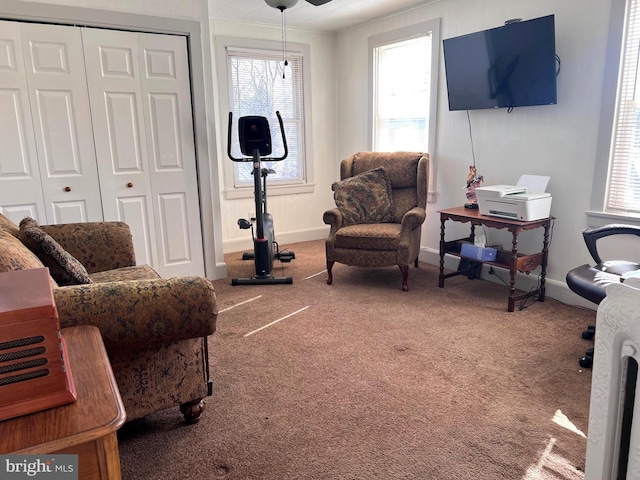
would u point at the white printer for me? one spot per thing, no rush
(514, 202)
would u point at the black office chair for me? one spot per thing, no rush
(590, 281)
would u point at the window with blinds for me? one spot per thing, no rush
(260, 84)
(401, 95)
(623, 185)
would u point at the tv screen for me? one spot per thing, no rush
(509, 66)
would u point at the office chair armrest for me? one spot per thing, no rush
(593, 234)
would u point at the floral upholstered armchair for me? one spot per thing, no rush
(154, 330)
(381, 205)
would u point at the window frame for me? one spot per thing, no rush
(396, 36)
(597, 214)
(231, 191)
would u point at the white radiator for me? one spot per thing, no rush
(614, 426)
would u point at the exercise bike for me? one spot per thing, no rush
(254, 137)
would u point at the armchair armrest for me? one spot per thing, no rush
(413, 219)
(333, 217)
(141, 312)
(99, 246)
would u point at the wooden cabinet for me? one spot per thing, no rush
(86, 427)
(97, 125)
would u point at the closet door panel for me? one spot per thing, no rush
(117, 112)
(133, 211)
(170, 140)
(20, 188)
(156, 160)
(55, 74)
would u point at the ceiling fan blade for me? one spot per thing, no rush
(317, 3)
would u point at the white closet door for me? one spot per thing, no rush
(166, 89)
(141, 107)
(59, 101)
(20, 188)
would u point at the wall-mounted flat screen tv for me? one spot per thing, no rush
(504, 67)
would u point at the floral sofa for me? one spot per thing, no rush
(154, 330)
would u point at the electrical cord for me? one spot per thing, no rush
(473, 154)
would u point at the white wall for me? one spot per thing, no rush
(558, 140)
(297, 217)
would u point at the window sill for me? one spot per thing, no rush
(598, 219)
(272, 190)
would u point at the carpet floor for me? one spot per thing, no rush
(359, 380)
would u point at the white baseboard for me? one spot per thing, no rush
(240, 245)
(553, 289)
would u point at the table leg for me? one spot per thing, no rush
(513, 264)
(545, 255)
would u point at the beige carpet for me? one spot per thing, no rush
(360, 380)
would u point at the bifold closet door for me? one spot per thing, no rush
(48, 165)
(140, 97)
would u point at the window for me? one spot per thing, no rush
(623, 190)
(616, 188)
(401, 84)
(404, 72)
(258, 83)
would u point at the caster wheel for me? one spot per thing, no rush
(589, 333)
(587, 360)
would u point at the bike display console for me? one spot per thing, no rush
(511, 260)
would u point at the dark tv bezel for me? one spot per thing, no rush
(550, 93)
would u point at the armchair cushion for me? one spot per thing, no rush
(377, 236)
(365, 198)
(63, 267)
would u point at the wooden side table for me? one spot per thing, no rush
(512, 260)
(86, 427)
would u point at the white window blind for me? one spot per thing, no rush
(260, 84)
(401, 95)
(623, 186)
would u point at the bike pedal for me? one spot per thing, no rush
(285, 256)
(244, 224)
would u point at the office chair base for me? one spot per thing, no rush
(589, 333)
(587, 360)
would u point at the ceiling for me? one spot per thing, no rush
(335, 15)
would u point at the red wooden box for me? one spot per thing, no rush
(34, 374)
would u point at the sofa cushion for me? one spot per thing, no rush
(9, 226)
(138, 272)
(364, 198)
(64, 268)
(15, 255)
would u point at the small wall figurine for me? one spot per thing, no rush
(473, 181)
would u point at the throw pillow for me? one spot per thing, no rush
(63, 267)
(364, 198)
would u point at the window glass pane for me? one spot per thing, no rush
(623, 188)
(402, 89)
(259, 84)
